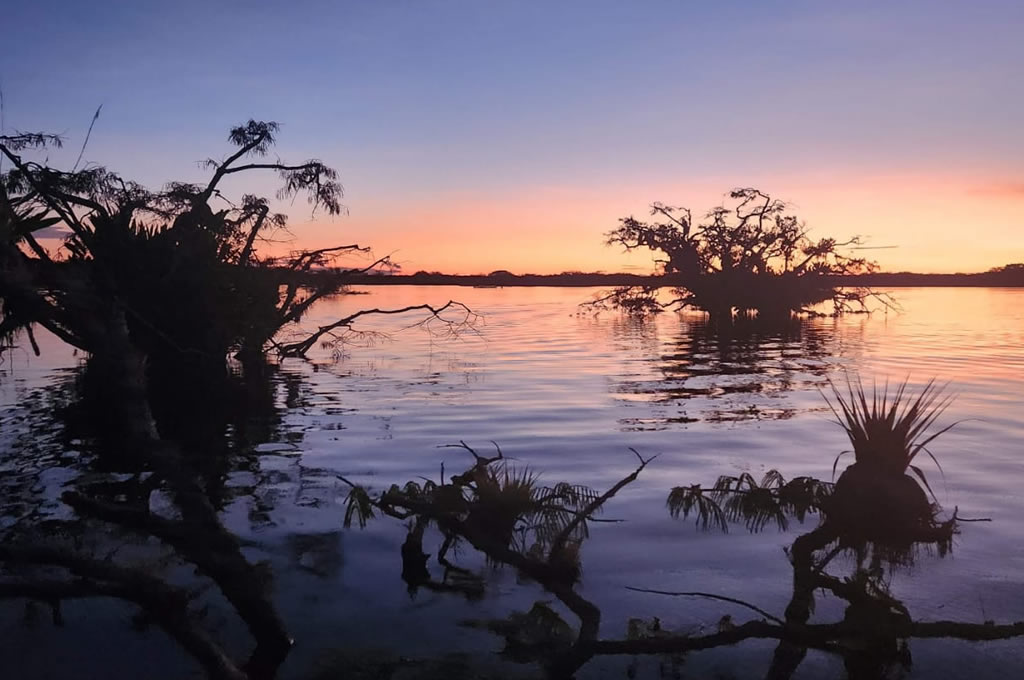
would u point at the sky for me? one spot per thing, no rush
(473, 136)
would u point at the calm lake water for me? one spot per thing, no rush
(566, 395)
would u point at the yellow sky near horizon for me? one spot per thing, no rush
(937, 224)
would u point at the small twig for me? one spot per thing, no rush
(346, 481)
(87, 135)
(711, 596)
(480, 460)
(958, 518)
(559, 543)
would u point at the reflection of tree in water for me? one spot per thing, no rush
(33, 444)
(537, 530)
(113, 485)
(872, 636)
(128, 531)
(221, 426)
(727, 372)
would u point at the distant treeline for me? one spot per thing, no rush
(1008, 276)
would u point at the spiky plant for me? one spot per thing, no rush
(506, 502)
(888, 431)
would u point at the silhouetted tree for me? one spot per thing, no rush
(171, 278)
(750, 256)
(1007, 275)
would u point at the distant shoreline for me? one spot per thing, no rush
(999, 279)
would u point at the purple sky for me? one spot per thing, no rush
(476, 135)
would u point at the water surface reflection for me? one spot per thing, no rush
(726, 373)
(564, 396)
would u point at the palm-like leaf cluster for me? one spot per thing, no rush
(889, 430)
(506, 502)
(743, 499)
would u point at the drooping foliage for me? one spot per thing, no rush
(496, 507)
(874, 507)
(871, 637)
(743, 499)
(180, 265)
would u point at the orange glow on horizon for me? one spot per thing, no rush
(938, 225)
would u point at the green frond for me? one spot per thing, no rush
(803, 495)
(724, 486)
(741, 499)
(574, 496)
(503, 488)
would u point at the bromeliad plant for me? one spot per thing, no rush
(888, 432)
(874, 500)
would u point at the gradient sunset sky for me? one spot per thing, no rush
(472, 136)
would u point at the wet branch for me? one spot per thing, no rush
(815, 636)
(167, 605)
(559, 543)
(710, 596)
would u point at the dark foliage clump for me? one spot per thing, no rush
(172, 280)
(874, 506)
(750, 257)
(179, 267)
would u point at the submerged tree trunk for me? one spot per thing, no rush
(788, 654)
(116, 391)
(115, 387)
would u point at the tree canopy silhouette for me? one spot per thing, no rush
(751, 255)
(175, 274)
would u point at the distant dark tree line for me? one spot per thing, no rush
(751, 256)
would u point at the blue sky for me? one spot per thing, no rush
(555, 117)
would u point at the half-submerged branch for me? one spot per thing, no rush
(166, 605)
(510, 518)
(198, 537)
(816, 636)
